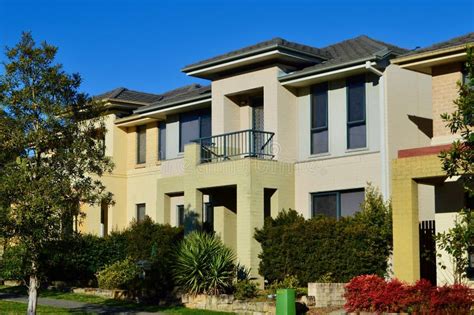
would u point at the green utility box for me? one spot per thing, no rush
(285, 304)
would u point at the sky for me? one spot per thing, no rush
(143, 44)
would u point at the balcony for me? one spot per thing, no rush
(237, 145)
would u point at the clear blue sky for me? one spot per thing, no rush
(143, 45)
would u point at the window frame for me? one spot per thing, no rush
(199, 113)
(139, 129)
(355, 123)
(324, 86)
(161, 148)
(137, 211)
(338, 199)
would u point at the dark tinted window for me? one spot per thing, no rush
(162, 141)
(325, 204)
(356, 119)
(194, 125)
(141, 144)
(141, 211)
(337, 204)
(319, 119)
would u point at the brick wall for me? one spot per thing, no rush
(445, 91)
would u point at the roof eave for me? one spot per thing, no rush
(152, 107)
(309, 72)
(277, 47)
(429, 54)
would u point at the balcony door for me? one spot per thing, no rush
(257, 125)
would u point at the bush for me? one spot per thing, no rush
(245, 289)
(13, 265)
(204, 265)
(370, 293)
(323, 247)
(119, 275)
(86, 255)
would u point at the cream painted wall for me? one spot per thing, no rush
(407, 93)
(334, 174)
(279, 108)
(172, 137)
(175, 201)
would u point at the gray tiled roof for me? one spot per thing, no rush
(453, 42)
(123, 94)
(348, 51)
(178, 96)
(262, 46)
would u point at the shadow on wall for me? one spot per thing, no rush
(192, 222)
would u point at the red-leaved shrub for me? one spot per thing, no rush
(371, 293)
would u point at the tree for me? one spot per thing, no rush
(458, 161)
(56, 161)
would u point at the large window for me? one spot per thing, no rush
(356, 119)
(141, 144)
(319, 119)
(194, 125)
(141, 212)
(162, 141)
(337, 204)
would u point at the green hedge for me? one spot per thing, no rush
(326, 249)
(78, 258)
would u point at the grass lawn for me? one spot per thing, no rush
(85, 298)
(7, 307)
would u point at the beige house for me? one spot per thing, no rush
(421, 191)
(281, 125)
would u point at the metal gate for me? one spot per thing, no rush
(427, 231)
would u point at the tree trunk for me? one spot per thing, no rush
(32, 295)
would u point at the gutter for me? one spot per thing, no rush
(152, 107)
(384, 162)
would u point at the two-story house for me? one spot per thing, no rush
(421, 192)
(281, 125)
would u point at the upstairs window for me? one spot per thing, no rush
(141, 212)
(319, 119)
(194, 125)
(141, 144)
(337, 204)
(162, 141)
(356, 113)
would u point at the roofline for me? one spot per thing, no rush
(165, 109)
(118, 100)
(430, 54)
(337, 72)
(278, 47)
(165, 105)
(303, 73)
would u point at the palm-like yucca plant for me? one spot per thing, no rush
(204, 265)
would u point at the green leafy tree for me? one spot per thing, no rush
(458, 161)
(57, 161)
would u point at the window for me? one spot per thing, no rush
(337, 204)
(104, 218)
(356, 124)
(180, 214)
(141, 212)
(208, 217)
(319, 119)
(141, 144)
(194, 125)
(162, 141)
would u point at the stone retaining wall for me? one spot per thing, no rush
(327, 294)
(109, 294)
(227, 303)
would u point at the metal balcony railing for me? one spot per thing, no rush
(236, 145)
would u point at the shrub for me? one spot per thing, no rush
(370, 293)
(313, 249)
(204, 265)
(13, 265)
(245, 289)
(119, 275)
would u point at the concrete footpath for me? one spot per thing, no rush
(74, 306)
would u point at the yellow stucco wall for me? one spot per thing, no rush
(406, 172)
